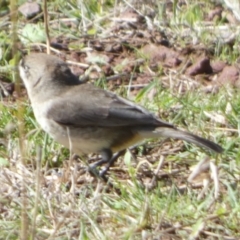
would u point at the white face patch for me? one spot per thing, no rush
(23, 76)
(21, 70)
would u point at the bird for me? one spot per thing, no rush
(88, 119)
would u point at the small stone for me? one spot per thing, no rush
(29, 9)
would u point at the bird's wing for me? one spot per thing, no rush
(87, 105)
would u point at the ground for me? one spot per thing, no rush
(178, 59)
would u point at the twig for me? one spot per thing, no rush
(38, 160)
(46, 25)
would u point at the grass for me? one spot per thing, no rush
(149, 196)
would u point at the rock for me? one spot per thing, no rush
(202, 65)
(229, 75)
(29, 9)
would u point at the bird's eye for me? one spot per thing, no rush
(64, 69)
(67, 71)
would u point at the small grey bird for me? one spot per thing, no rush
(88, 119)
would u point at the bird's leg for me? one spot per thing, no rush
(111, 162)
(106, 155)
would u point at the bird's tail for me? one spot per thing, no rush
(179, 134)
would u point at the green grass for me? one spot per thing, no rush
(62, 201)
